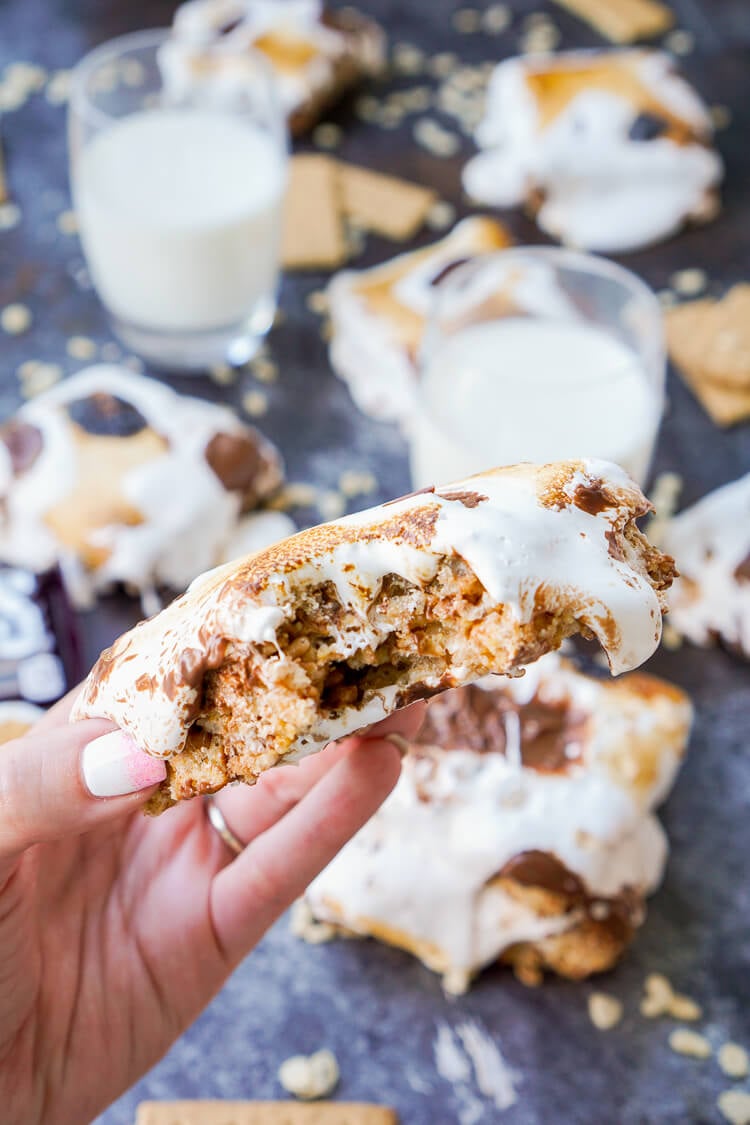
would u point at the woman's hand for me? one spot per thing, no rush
(116, 929)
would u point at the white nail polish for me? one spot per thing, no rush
(113, 765)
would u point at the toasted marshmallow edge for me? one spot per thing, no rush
(513, 542)
(710, 541)
(420, 873)
(601, 189)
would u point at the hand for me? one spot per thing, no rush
(116, 929)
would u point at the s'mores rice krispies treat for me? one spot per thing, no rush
(378, 315)
(610, 150)
(521, 828)
(711, 545)
(316, 52)
(268, 659)
(122, 480)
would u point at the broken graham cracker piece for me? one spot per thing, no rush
(622, 21)
(384, 204)
(709, 343)
(313, 235)
(263, 1113)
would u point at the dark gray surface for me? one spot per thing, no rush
(376, 1007)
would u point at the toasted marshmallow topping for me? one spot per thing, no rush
(378, 316)
(525, 531)
(420, 872)
(711, 545)
(210, 40)
(123, 480)
(614, 143)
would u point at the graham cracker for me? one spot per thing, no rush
(384, 204)
(313, 235)
(263, 1113)
(709, 343)
(623, 21)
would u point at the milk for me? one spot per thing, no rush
(180, 217)
(531, 389)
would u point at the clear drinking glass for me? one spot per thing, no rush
(538, 354)
(179, 198)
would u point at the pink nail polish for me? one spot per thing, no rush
(114, 765)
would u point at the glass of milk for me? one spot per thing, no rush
(537, 354)
(179, 201)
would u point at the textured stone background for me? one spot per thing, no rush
(375, 1007)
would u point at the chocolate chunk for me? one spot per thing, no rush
(105, 415)
(647, 127)
(229, 27)
(236, 459)
(23, 442)
(471, 718)
(742, 570)
(409, 495)
(593, 498)
(468, 499)
(543, 869)
(448, 269)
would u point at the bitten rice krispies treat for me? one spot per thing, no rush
(123, 480)
(271, 658)
(378, 316)
(711, 543)
(317, 52)
(610, 150)
(521, 827)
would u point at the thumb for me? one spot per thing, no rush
(65, 780)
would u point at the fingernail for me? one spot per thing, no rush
(402, 744)
(113, 765)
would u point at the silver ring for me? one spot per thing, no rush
(218, 822)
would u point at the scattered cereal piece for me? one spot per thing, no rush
(683, 1008)
(496, 18)
(721, 115)
(110, 352)
(734, 1060)
(408, 59)
(306, 926)
(664, 496)
(441, 215)
(686, 1042)
(67, 222)
(659, 995)
(327, 135)
(431, 135)
(39, 377)
(222, 374)
(467, 20)
(81, 347)
(605, 1011)
(10, 216)
(255, 403)
(443, 64)
(679, 41)
(331, 504)
(355, 483)
(456, 982)
(367, 108)
(134, 362)
(264, 369)
(310, 1077)
(672, 640)
(735, 1106)
(58, 87)
(30, 76)
(540, 39)
(690, 282)
(15, 319)
(293, 495)
(317, 302)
